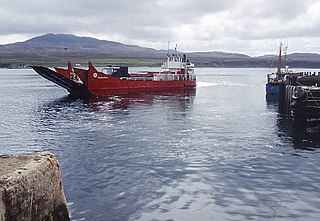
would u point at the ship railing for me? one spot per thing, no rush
(165, 77)
(174, 77)
(161, 77)
(137, 78)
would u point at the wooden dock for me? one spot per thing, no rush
(300, 96)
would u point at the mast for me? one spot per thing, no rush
(285, 54)
(279, 62)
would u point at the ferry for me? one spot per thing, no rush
(176, 73)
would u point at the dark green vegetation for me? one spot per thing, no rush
(57, 49)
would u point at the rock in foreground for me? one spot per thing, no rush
(31, 188)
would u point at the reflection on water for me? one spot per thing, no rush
(220, 154)
(88, 114)
(110, 157)
(182, 97)
(304, 135)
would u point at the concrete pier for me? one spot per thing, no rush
(31, 188)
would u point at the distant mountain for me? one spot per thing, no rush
(268, 57)
(57, 49)
(304, 56)
(218, 54)
(59, 42)
(295, 60)
(295, 56)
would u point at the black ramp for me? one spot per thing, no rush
(58, 78)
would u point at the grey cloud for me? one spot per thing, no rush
(196, 22)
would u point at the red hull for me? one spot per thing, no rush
(138, 87)
(98, 84)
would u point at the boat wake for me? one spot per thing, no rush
(205, 84)
(220, 83)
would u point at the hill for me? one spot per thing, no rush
(57, 49)
(60, 42)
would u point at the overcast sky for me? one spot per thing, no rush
(253, 27)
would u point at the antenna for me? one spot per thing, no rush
(168, 54)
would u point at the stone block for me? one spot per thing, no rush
(31, 188)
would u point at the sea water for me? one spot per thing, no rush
(220, 152)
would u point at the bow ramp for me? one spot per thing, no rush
(58, 79)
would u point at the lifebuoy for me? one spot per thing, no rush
(95, 75)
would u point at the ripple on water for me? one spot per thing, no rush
(220, 153)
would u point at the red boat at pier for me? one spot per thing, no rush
(176, 73)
